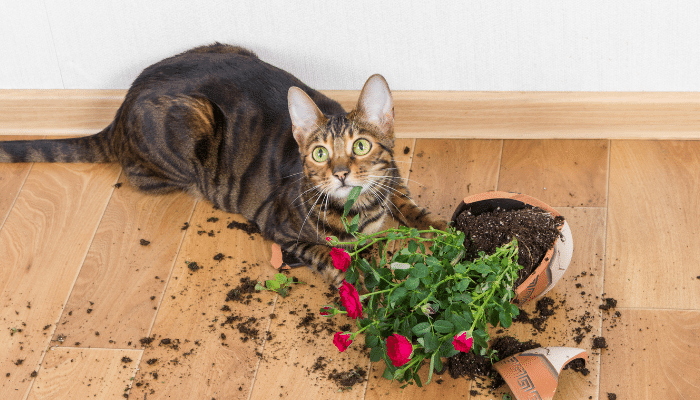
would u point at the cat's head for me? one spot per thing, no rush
(342, 151)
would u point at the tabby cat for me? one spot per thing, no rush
(219, 123)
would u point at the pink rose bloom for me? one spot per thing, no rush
(350, 300)
(463, 343)
(342, 341)
(341, 259)
(326, 311)
(399, 349)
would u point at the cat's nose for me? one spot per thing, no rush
(341, 175)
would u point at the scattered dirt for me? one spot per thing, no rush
(347, 379)
(599, 343)
(535, 229)
(608, 303)
(612, 396)
(545, 309)
(144, 242)
(146, 341)
(193, 266)
(242, 293)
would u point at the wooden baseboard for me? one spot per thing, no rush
(419, 114)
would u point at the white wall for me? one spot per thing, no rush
(533, 45)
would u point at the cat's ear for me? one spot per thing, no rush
(306, 116)
(376, 105)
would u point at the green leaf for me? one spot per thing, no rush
(398, 294)
(416, 378)
(389, 371)
(463, 284)
(364, 266)
(481, 267)
(259, 287)
(464, 298)
(505, 318)
(412, 246)
(438, 364)
(443, 326)
(376, 354)
(421, 329)
(352, 197)
(272, 285)
(351, 275)
(420, 270)
(371, 340)
(461, 269)
(432, 367)
(431, 343)
(281, 278)
(412, 283)
(355, 223)
(460, 323)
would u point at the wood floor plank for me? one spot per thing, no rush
(116, 293)
(653, 224)
(297, 361)
(42, 247)
(654, 354)
(446, 171)
(70, 373)
(562, 173)
(205, 357)
(12, 177)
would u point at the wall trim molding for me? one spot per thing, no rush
(419, 114)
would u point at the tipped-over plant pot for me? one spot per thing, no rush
(555, 261)
(534, 374)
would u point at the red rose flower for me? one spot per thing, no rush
(342, 341)
(326, 311)
(399, 349)
(341, 259)
(350, 300)
(463, 343)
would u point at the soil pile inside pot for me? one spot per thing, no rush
(535, 229)
(473, 365)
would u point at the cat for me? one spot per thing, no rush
(221, 124)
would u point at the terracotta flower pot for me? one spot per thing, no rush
(534, 374)
(555, 261)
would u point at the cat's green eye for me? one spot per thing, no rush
(361, 147)
(320, 154)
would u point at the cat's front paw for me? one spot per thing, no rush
(439, 224)
(333, 276)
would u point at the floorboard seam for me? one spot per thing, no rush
(605, 256)
(75, 279)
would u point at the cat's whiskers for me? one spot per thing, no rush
(382, 199)
(317, 197)
(399, 177)
(289, 176)
(306, 191)
(318, 216)
(376, 182)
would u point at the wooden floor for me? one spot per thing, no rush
(80, 290)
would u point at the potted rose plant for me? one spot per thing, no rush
(429, 303)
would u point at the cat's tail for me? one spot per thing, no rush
(89, 149)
